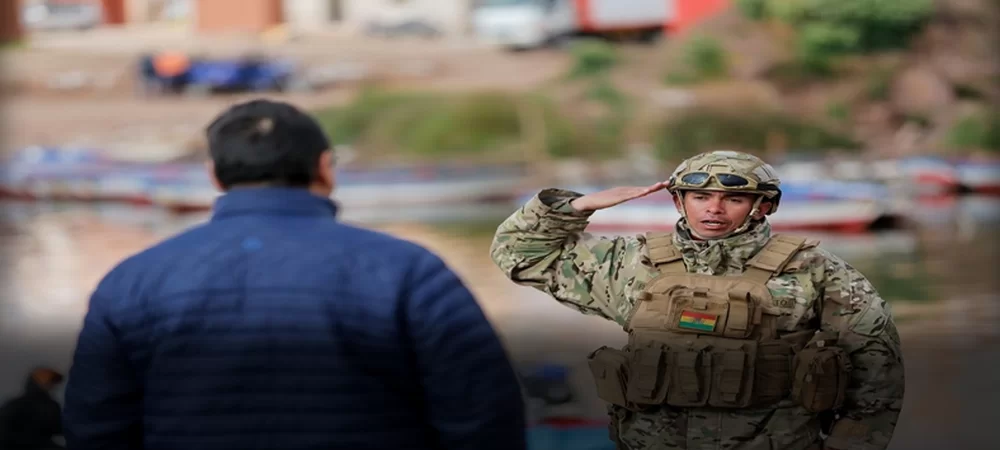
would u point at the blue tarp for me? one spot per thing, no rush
(576, 438)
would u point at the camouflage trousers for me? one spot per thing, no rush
(684, 429)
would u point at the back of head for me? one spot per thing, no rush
(263, 142)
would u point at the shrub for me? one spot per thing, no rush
(703, 130)
(829, 28)
(976, 132)
(878, 84)
(820, 42)
(592, 57)
(702, 59)
(838, 111)
(753, 9)
(447, 125)
(706, 57)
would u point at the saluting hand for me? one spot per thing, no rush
(616, 195)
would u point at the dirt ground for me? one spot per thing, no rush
(79, 88)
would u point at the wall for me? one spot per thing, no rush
(138, 11)
(451, 16)
(10, 21)
(307, 14)
(227, 16)
(114, 12)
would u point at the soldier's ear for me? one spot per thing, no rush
(763, 209)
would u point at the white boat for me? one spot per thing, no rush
(982, 178)
(834, 216)
(381, 191)
(40, 173)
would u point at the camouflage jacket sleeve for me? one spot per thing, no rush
(543, 245)
(852, 307)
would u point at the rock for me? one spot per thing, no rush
(946, 120)
(737, 95)
(751, 49)
(966, 8)
(920, 91)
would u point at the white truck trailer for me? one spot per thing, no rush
(526, 24)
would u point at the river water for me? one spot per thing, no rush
(939, 277)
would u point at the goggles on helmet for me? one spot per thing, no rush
(729, 180)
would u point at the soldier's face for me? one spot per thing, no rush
(716, 214)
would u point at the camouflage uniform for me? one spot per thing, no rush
(543, 245)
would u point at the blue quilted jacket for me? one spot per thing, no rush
(274, 326)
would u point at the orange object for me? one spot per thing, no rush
(688, 13)
(46, 377)
(170, 64)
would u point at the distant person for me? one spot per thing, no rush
(275, 326)
(32, 420)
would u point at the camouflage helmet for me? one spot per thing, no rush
(727, 171)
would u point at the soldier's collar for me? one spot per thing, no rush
(718, 254)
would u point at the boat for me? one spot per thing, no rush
(570, 434)
(382, 189)
(821, 205)
(979, 177)
(933, 173)
(83, 174)
(842, 216)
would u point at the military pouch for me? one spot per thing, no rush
(821, 373)
(610, 370)
(690, 375)
(732, 374)
(773, 372)
(649, 376)
(701, 311)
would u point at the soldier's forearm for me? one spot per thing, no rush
(875, 395)
(868, 432)
(537, 230)
(554, 214)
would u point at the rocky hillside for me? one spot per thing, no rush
(905, 77)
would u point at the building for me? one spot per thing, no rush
(309, 15)
(237, 15)
(688, 13)
(449, 16)
(114, 12)
(10, 21)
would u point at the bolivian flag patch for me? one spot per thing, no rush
(698, 321)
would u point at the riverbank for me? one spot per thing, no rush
(80, 88)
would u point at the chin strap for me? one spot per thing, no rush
(749, 219)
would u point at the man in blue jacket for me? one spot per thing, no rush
(273, 326)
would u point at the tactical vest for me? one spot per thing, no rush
(712, 341)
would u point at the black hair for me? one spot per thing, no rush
(265, 142)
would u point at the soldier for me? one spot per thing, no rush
(739, 339)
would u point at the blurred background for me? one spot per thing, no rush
(448, 114)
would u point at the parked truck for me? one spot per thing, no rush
(523, 24)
